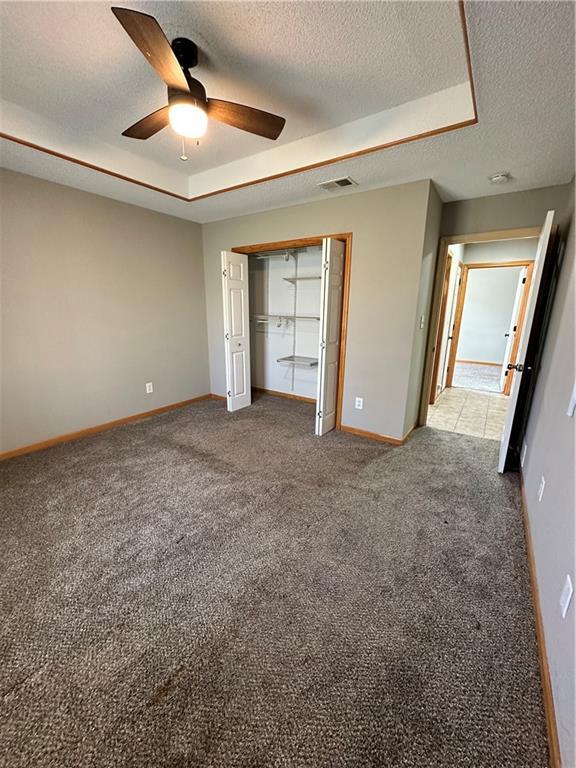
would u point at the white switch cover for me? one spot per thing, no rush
(359, 403)
(149, 388)
(523, 454)
(566, 596)
(541, 488)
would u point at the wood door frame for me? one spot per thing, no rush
(303, 242)
(444, 243)
(462, 299)
(441, 326)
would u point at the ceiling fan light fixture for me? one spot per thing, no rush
(188, 118)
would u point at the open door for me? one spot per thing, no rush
(236, 329)
(435, 387)
(525, 335)
(331, 290)
(513, 327)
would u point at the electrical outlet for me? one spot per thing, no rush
(541, 488)
(566, 596)
(359, 403)
(149, 388)
(523, 454)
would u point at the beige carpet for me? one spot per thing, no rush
(205, 589)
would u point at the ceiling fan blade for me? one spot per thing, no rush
(246, 118)
(148, 37)
(149, 125)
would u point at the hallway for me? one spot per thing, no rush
(469, 412)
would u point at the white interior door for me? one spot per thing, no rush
(525, 335)
(331, 293)
(513, 324)
(236, 329)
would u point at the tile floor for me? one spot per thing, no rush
(469, 412)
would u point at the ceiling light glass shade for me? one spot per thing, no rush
(188, 119)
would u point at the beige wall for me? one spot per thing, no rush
(551, 442)
(388, 227)
(97, 298)
(501, 250)
(503, 211)
(423, 310)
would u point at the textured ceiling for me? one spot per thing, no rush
(523, 64)
(319, 64)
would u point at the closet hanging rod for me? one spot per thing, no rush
(275, 255)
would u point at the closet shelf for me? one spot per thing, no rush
(294, 279)
(298, 361)
(281, 316)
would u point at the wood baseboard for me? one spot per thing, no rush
(101, 427)
(547, 695)
(220, 398)
(374, 435)
(480, 362)
(286, 395)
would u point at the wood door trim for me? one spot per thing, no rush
(495, 264)
(545, 679)
(457, 324)
(440, 329)
(282, 174)
(520, 233)
(303, 242)
(519, 328)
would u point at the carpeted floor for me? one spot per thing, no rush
(213, 589)
(485, 378)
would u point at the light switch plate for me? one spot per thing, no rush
(149, 388)
(566, 596)
(359, 403)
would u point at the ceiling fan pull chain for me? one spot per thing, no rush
(183, 156)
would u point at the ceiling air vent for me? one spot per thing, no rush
(333, 184)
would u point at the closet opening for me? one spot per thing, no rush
(285, 309)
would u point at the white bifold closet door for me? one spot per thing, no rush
(236, 329)
(525, 335)
(331, 292)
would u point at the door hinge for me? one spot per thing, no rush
(227, 336)
(229, 393)
(224, 272)
(322, 345)
(319, 414)
(523, 280)
(515, 367)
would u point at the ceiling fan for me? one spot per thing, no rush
(188, 108)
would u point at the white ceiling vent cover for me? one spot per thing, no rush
(334, 184)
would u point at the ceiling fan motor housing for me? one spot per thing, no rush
(186, 52)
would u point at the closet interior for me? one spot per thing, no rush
(285, 304)
(283, 324)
